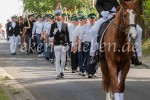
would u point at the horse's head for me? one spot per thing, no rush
(129, 18)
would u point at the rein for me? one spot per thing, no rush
(123, 27)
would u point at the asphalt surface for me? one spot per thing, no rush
(38, 76)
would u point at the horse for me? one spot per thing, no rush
(118, 48)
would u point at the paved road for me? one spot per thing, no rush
(38, 76)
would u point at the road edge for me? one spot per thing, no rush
(24, 94)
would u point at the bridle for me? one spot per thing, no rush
(123, 27)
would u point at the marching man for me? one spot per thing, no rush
(59, 31)
(13, 30)
(38, 32)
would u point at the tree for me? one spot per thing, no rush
(47, 5)
(146, 17)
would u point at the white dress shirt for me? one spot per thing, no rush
(71, 29)
(45, 26)
(59, 24)
(48, 28)
(74, 36)
(82, 32)
(38, 27)
(13, 24)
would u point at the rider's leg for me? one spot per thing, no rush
(139, 41)
(138, 51)
(94, 31)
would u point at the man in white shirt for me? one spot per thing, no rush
(82, 30)
(59, 33)
(46, 30)
(38, 32)
(91, 68)
(73, 30)
(13, 30)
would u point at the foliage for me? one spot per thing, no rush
(4, 78)
(146, 12)
(49, 5)
(146, 18)
(146, 47)
(14, 90)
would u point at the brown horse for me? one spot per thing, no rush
(119, 48)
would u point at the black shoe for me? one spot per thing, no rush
(73, 71)
(47, 58)
(58, 77)
(12, 53)
(62, 75)
(52, 60)
(90, 76)
(80, 73)
(84, 74)
(136, 61)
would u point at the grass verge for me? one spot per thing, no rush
(146, 47)
(3, 95)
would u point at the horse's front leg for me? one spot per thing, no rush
(121, 77)
(114, 79)
(106, 79)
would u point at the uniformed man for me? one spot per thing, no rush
(13, 30)
(28, 33)
(92, 68)
(21, 23)
(38, 32)
(83, 54)
(64, 18)
(47, 28)
(51, 45)
(59, 30)
(73, 30)
(6, 29)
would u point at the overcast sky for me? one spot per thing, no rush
(9, 8)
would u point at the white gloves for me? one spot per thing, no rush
(65, 48)
(9, 28)
(55, 31)
(105, 14)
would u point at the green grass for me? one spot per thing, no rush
(14, 90)
(146, 47)
(3, 95)
(2, 78)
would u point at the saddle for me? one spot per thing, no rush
(101, 33)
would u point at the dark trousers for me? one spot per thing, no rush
(80, 60)
(30, 46)
(69, 51)
(85, 56)
(46, 50)
(92, 69)
(74, 60)
(52, 55)
(40, 44)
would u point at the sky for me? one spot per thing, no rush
(9, 8)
